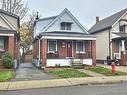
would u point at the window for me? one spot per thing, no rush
(122, 28)
(79, 46)
(65, 26)
(1, 43)
(52, 46)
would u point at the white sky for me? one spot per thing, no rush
(84, 10)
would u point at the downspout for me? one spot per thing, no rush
(110, 43)
(39, 52)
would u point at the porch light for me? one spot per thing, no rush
(63, 44)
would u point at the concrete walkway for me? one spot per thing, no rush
(118, 68)
(27, 71)
(60, 82)
(93, 74)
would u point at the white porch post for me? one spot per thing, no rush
(123, 45)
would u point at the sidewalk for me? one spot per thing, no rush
(118, 68)
(60, 82)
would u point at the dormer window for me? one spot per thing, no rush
(66, 26)
(122, 28)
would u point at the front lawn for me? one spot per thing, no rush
(106, 71)
(67, 73)
(6, 75)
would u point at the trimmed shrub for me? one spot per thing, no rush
(8, 60)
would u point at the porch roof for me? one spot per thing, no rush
(67, 35)
(120, 35)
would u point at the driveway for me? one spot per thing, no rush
(27, 71)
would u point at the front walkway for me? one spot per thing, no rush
(118, 68)
(93, 74)
(27, 71)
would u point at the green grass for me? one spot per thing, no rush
(67, 73)
(6, 75)
(106, 71)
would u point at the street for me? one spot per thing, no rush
(101, 89)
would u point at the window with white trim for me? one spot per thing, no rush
(66, 26)
(1, 43)
(79, 46)
(52, 46)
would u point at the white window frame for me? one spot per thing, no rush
(48, 46)
(2, 38)
(83, 47)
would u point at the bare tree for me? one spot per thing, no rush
(17, 7)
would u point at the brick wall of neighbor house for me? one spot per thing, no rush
(44, 44)
(93, 48)
(115, 47)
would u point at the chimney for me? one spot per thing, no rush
(37, 17)
(97, 19)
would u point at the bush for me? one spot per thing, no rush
(8, 60)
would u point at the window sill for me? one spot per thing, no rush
(2, 50)
(80, 52)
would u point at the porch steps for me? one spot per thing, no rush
(77, 65)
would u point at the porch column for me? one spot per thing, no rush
(11, 45)
(93, 51)
(44, 52)
(123, 56)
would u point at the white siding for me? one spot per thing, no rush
(65, 18)
(3, 23)
(102, 45)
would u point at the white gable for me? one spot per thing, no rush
(115, 28)
(53, 24)
(65, 17)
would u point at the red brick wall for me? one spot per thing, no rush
(115, 47)
(11, 45)
(93, 48)
(61, 50)
(44, 51)
(35, 49)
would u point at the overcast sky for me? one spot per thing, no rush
(84, 10)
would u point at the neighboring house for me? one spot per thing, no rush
(111, 34)
(59, 39)
(9, 37)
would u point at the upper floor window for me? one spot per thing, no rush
(66, 26)
(122, 28)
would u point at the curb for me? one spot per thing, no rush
(60, 82)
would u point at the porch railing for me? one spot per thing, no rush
(55, 55)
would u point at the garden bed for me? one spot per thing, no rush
(106, 72)
(66, 73)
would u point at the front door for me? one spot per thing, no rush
(69, 48)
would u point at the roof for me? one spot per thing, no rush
(8, 13)
(47, 22)
(107, 22)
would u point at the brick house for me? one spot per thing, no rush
(111, 34)
(9, 37)
(59, 39)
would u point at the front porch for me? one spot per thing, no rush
(59, 52)
(119, 50)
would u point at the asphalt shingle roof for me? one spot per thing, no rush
(107, 22)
